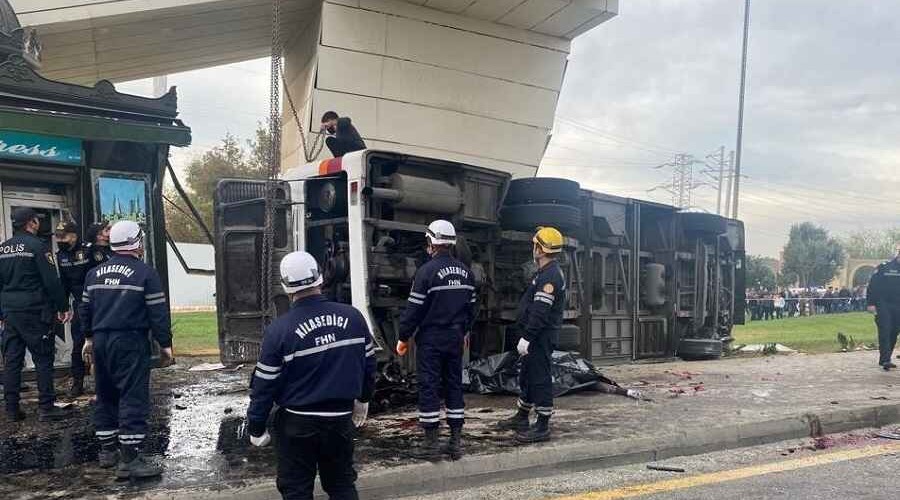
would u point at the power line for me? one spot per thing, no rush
(633, 143)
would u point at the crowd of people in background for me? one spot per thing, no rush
(764, 305)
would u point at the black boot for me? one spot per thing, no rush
(540, 431)
(109, 455)
(52, 414)
(429, 447)
(77, 388)
(135, 466)
(517, 422)
(454, 445)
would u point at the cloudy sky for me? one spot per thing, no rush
(822, 117)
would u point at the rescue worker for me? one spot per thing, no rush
(317, 363)
(97, 246)
(439, 312)
(883, 299)
(31, 297)
(122, 306)
(74, 262)
(341, 136)
(539, 321)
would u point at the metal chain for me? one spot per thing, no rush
(268, 237)
(310, 153)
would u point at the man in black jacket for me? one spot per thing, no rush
(342, 137)
(30, 296)
(883, 299)
(74, 261)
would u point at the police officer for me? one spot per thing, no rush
(883, 299)
(30, 296)
(317, 363)
(538, 322)
(440, 312)
(74, 262)
(97, 246)
(123, 301)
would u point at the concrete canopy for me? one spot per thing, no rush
(88, 40)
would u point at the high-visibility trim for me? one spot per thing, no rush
(416, 301)
(106, 433)
(523, 405)
(14, 255)
(320, 413)
(455, 416)
(128, 288)
(544, 294)
(542, 299)
(267, 368)
(429, 420)
(417, 295)
(450, 287)
(429, 414)
(152, 296)
(155, 302)
(322, 348)
(132, 436)
(266, 376)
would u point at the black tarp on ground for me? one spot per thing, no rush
(499, 374)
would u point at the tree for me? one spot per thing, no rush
(811, 256)
(761, 272)
(872, 244)
(229, 159)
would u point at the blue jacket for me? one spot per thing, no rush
(441, 304)
(125, 295)
(315, 360)
(28, 280)
(542, 305)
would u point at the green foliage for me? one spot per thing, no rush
(761, 272)
(811, 256)
(228, 160)
(812, 334)
(872, 244)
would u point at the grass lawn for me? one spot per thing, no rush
(814, 334)
(195, 334)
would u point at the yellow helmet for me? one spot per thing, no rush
(549, 239)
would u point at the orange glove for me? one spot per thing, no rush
(402, 348)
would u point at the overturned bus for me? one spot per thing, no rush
(645, 280)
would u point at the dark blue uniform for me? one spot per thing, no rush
(30, 297)
(74, 263)
(122, 304)
(315, 360)
(539, 321)
(441, 306)
(98, 254)
(883, 292)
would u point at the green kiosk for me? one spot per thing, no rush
(80, 153)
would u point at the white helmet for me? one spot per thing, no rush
(299, 271)
(441, 232)
(126, 235)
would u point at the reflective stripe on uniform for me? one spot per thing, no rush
(156, 301)
(127, 288)
(415, 300)
(14, 255)
(417, 295)
(266, 376)
(267, 368)
(322, 348)
(151, 296)
(320, 413)
(450, 287)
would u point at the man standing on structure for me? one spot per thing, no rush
(883, 299)
(440, 312)
(539, 321)
(123, 300)
(74, 262)
(342, 137)
(317, 362)
(31, 297)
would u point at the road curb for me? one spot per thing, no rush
(554, 458)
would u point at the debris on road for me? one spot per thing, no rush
(207, 367)
(889, 435)
(664, 468)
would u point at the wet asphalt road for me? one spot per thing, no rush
(841, 476)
